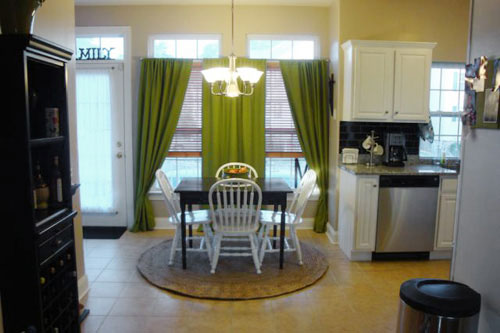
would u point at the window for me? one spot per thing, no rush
(446, 104)
(112, 43)
(184, 46)
(184, 156)
(283, 47)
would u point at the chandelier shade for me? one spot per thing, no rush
(224, 80)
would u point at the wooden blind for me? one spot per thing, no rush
(281, 136)
(187, 136)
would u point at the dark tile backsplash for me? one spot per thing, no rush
(353, 133)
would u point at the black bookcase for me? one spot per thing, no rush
(38, 268)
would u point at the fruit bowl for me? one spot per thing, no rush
(242, 172)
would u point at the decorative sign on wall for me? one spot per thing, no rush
(482, 94)
(95, 53)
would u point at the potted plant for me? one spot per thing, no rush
(17, 16)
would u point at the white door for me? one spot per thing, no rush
(411, 85)
(373, 83)
(101, 160)
(366, 213)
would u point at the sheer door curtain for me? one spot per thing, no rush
(94, 97)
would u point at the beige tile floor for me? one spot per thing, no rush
(351, 297)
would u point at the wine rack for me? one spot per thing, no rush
(39, 287)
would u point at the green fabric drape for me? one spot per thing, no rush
(233, 128)
(306, 84)
(163, 85)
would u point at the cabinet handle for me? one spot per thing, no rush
(396, 112)
(374, 185)
(386, 112)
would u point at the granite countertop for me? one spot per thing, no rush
(407, 170)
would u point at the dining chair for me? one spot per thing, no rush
(235, 206)
(194, 218)
(293, 217)
(252, 173)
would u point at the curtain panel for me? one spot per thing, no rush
(163, 85)
(233, 128)
(306, 84)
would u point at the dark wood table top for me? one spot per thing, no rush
(203, 184)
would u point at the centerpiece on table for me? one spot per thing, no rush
(232, 172)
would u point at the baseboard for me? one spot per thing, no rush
(440, 255)
(332, 235)
(103, 232)
(161, 223)
(83, 286)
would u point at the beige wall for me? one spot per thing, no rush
(55, 20)
(148, 20)
(443, 21)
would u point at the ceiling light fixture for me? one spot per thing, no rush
(224, 80)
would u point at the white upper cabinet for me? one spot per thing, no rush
(386, 81)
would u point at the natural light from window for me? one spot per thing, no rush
(446, 105)
(107, 42)
(282, 47)
(186, 47)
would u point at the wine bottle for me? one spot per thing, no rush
(56, 183)
(41, 190)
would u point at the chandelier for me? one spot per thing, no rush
(224, 80)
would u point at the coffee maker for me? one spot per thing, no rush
(395, 149)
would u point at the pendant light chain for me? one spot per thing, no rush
(232, 27)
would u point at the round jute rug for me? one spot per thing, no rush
(235, 277)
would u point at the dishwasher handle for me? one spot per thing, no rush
(409, 181)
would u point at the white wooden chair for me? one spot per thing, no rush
(198, 217)
(293, 217)
(252, 173)
(235, 206)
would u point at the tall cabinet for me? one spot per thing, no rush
(38, 281)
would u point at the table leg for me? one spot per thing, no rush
(183, 233)
(282, 234)
(190, 208)
(275, 228)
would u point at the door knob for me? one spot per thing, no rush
(119, 155)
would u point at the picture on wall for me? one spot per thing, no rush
(490, 113)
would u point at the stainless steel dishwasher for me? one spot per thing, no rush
(406, 213)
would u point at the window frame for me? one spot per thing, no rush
(314, 38)
(197, 37)
(446, 114)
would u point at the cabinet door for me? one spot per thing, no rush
(373, 83)
(366, 213)
(411, 85)
(446, 221)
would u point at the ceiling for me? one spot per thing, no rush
(315, 3)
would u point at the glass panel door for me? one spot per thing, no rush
(100, 127)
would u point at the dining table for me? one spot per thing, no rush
(194, 191)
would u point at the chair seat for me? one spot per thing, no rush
(194, 217)
(272, 217)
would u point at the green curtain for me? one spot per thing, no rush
(306, 84)
(162, 88)
(233, 127)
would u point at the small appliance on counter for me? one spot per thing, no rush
(350, 155)
(395, 149)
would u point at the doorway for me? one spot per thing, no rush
(104, 133)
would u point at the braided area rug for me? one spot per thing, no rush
(235, 277)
